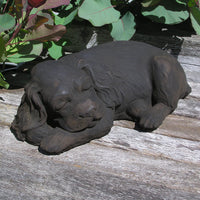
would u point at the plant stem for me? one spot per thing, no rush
(197, 3)
(19, 25)
(5, 6)
(15, 33)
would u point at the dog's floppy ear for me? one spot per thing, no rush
(31, 112)
(102, 78)
(100, 73)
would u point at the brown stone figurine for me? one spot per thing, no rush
(74, 100)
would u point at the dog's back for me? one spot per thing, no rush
(122, 70)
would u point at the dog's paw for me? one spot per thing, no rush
(55, 144)
(149, 122)
(154, 117)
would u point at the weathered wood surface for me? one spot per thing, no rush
(124, 165)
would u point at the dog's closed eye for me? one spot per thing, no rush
(86, 85)
(61, 101)
(83, 84)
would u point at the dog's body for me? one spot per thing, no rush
(74, 100)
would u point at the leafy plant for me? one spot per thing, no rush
(24, 27)
(102, 12)
(194, 7)
(173, 12)
(3, 83)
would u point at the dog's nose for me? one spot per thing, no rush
(88, 109)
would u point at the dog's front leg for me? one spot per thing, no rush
(63, 140)
(36, 135)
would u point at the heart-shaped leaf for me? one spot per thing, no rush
(55, 51)
(167, 12)
(66, 20)
(124, 28)
(24, 52)
(6, 22)
(195, 19)
(99, 12)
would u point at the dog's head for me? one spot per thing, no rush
(59, 95)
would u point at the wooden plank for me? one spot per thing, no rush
(180, 127)
(94, 171)
(62, 180)
(190, 46)
(189, 60)
(125, 164)
(7, 113)
(178, 46)
(153, 144)
(195, 90)
(12, 97)
(189, 107)
(173, 126)
(192, 73)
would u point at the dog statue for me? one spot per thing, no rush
(74, 100)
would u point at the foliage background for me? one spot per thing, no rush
(27, 32)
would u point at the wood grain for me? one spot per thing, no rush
(110, 170)
(123, 165)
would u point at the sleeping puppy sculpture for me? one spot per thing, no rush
(74, 100)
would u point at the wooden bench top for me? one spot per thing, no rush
(124, 165)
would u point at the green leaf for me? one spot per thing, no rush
(2, 50)
(77, 2)
(98, 12)
(167, 12)
(184, 2)
(192, 3)
(34, 11)
(66, 20)
(6, 22)
(2, 2)
(55, 51)
(69, 7)
(195, 19)
(148, 3)
(3, 83)
(24, 52)
(124, 28)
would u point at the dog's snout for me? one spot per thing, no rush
(91, 108)
(88, 108)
